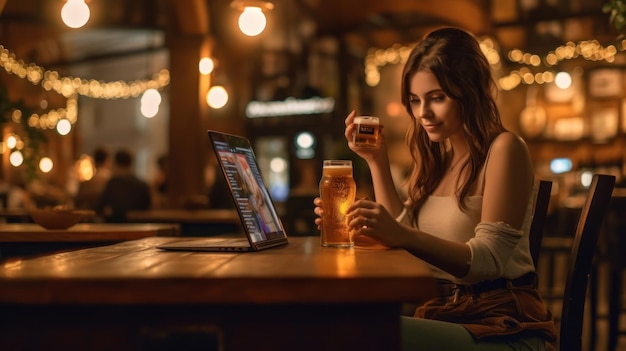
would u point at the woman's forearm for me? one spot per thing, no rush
(384, 187)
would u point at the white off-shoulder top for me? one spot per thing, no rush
(498, 250)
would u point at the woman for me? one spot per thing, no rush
(469, 207)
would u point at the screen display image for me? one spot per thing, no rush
(248, 188)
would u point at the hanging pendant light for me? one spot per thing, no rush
(75, 13)
(252, 20)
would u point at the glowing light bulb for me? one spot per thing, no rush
(305, 140)
(16, 158)
(11, 141)
(563, 80)
(150, 101)
(85, 168)
(149, 111)
(206, 65)
(151, 97)
(64, 127)
(278, 164)
(585, 178)
(217, 97)
(46, 164)
(75, 13)
(252, 21)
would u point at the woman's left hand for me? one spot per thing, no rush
(371, 219)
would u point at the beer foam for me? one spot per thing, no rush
(336, 170)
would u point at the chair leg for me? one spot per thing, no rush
(615, 308)
(551, 287)
(593, 306)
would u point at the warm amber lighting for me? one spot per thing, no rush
(278, 165)
(346, 262)
(75, 13)
(64, 127)
(252, 20)
(11, 141)
(16, 158)
(206, 65)
(563, 80)
(151, 97)
(217, 97)
(150, 102)
(85, 168)
(69, 86)
(46, 164)
(590, 50)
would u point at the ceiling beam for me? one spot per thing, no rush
(341, 15)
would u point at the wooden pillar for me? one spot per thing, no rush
(188, 143)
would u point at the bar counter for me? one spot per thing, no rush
(133, 296)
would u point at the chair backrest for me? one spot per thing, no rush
(580, 261)
(540, 213)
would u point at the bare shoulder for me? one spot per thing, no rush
(509, 155)
(509, 141)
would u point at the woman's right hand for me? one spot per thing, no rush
(318, 210)
(366, 153)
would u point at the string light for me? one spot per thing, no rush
(563, 80)
(50, 119)
(68, 86)
(590, 50)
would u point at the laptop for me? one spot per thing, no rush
(262, 226)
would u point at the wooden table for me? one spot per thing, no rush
(132, 296)
(15, 215)
(193, 222)
(27, 239)
(184, 216)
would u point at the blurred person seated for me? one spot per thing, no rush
(16, 194)
(218, 193)
(123, 192)
(158, 184)
(90, 190)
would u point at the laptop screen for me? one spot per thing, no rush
(252, 199)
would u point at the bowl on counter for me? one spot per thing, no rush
(59, 218)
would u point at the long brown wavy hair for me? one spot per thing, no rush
(455, 58)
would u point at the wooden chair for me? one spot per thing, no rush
(540, 213)
(615, 234)
(580, 261)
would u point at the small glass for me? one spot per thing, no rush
(367, 132)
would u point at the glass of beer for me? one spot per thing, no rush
(337, 190)
(367, 132)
